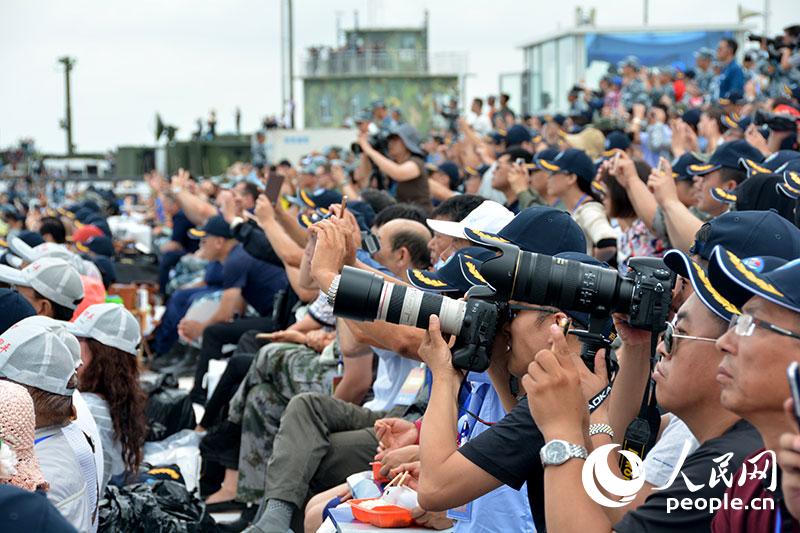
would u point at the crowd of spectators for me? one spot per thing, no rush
(700, 169)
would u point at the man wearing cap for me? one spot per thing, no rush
(40, 359)
(686, 386)
(404, 163)
(51, 285)
(452, 210)
(760, 343)
(246, 281)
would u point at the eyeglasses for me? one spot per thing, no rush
(670, 335)
(745, 324)
(515, 309)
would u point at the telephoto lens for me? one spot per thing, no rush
(365, 296)
(360, 295)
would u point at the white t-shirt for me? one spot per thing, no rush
(392, 372)
(660, 462)
(112, 449)
(62, 470)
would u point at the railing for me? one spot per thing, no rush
(358, 62)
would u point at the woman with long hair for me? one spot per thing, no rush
(109, 380)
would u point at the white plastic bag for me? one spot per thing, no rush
(181, 449)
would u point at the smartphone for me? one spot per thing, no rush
(369, 242)
(273, 188)
(662, 165)
(793, 375)
(344, 205)
(520, 161)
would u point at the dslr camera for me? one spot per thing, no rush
(775, 121)
(644, 293)
(379, 141)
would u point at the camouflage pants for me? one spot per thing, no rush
(279, 371)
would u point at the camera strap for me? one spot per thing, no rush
(599, 398)
(641, 433)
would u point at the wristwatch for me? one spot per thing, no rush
(333, 289)
(557, 452)
(596, 429)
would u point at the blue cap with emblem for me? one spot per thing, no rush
(680, 166)
(771, 278)
(749, 233)
(571, 161)
(758, 193)
(616, 140)
(774, 163)
(543, 230)
(458, 274)
(728, 156)
(214, 226)
(682, 265)
(316, 199)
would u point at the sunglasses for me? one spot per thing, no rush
(744, 325)
(515, 309)
(670, 336)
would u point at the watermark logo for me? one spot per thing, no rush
(597, 472)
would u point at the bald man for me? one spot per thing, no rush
(404, 245)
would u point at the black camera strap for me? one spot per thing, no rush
(641, 433)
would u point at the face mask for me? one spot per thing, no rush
(702, 143)
(439, 264)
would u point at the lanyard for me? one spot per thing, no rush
(41, 439)
(580, 201)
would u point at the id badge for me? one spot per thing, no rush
(411, 386)
(462, 514)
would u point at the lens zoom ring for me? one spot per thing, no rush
(396, 304)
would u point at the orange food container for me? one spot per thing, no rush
(376, 473)
(383, 516)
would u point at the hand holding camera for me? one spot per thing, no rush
(555, 399)
(435, 352)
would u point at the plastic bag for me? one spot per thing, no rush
(158, 507)
(181, 449)
(169, 411)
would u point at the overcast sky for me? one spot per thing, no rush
(182, 58)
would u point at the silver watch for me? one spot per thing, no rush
(557, 452)
(333, 289)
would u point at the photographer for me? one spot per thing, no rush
(451, 476)
(685, 379)
(404, 162)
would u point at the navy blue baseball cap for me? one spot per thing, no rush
(107, 269)
(83, 214)
(498, 136)
(791, 184)
(682, 265)
(317, 198)
(775, 163)
(758, 193)
(448, 168)
(538, 229)
(727, 156)
(15, 307)
(517, 134)
(98, 245)
(734, 121)
(680, 166)
(616, 140)
(22, 511)
(691, 116)
(749, 233)
(774, 279)
(570, 161)
(214, 226)
(548, 154)
(31, 238)
(459, 273)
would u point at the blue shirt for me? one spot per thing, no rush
(731, 80)
(258, 280)
(180, 232)
(503, 509)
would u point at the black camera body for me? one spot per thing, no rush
(775, 121)
(652, 293)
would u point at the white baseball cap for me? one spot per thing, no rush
(36, 356)
(489, 217)
(46, 249)
(59, 327)
(53, 278)
(109, 324)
